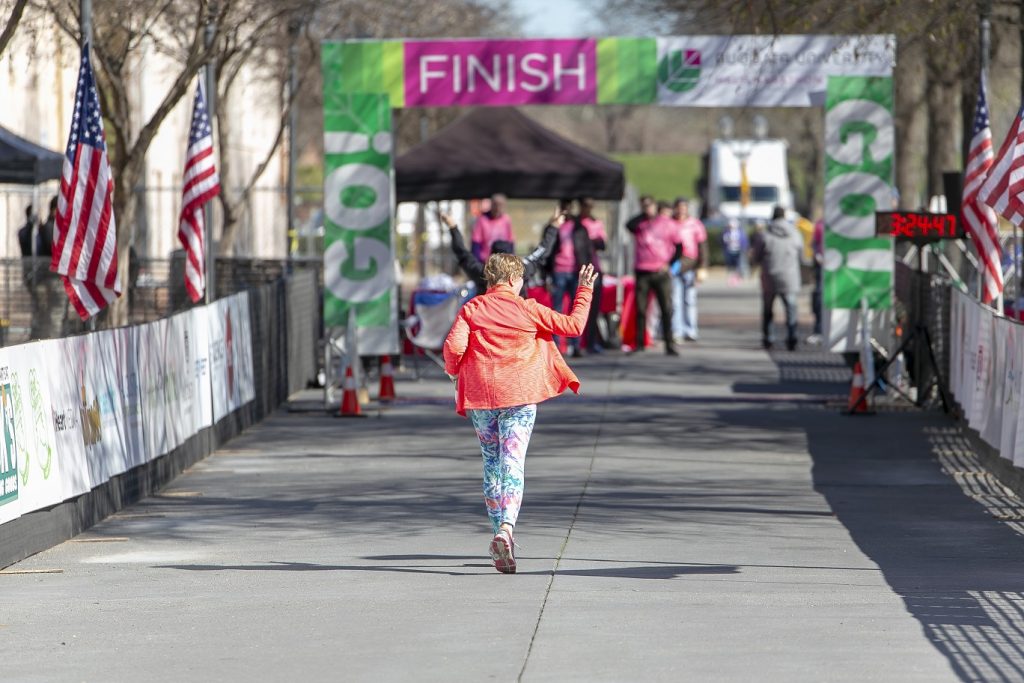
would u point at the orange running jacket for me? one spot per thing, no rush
(500, 348)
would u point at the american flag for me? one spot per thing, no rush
(85, 239)
(980, 219)
(201, 185)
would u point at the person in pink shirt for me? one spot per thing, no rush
(693, 237)
(572, 251)
(598, 240)
(491, 226)
(657, 246)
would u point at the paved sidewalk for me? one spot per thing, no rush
(704, 518)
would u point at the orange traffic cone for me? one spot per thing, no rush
(858, 404)
(349, 400)
(387, 380)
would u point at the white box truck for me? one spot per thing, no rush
(767, 175)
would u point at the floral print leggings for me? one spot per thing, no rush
(504, 434)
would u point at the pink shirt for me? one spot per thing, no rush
(565, 257)
(692, 234)
(487, 230)
(595, 229)
(656, 239)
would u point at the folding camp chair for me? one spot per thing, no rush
(432, 318)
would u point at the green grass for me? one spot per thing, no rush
(665, 176)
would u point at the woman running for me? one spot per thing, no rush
(501, 356)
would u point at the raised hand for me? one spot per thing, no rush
(588, 276)
(558, 217)
(446, 219)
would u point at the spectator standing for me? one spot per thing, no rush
(26, 233)
(777, 251)
(500, 354)
(689, 271)
(26, 240)
(598, 243)
(49, 300)
(818, 249)
(491, 226)
(734, 247)
(657, 246)
(474, 267)
(27, 245)
(572, 251)
(44, 241)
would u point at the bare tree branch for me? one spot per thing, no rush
(12, 23)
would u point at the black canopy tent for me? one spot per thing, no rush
(502, 150)
(26, 163)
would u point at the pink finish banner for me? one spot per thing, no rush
(448, 73)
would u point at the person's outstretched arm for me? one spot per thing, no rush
(468, 262)
(538, 256)
(573, 324)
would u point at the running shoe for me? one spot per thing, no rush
(502, 552)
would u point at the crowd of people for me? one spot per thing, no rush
(671, 256)
(572, 238)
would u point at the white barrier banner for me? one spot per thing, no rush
(221, 359)
(993, 419)
(1013, 444)
(1011, 392)
(153, 380)
(203, 405)
(10, 502)
(103, 419)
(244, 371)
(178, 349)
(64, 376)
(39, 480)
(230, 354)
(982, 367)
(126, 340)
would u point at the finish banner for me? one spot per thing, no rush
(359, 255)
(688, 71)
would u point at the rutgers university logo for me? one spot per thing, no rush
(679, 70)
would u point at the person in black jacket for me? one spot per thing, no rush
(474, 267)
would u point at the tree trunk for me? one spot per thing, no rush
(943, 105)
(909, 93)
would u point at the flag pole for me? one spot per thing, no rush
(211, 108)
(85, 23)
(986, 42)
(1017, 244)
(85, 20)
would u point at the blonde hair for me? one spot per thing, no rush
(502, 268)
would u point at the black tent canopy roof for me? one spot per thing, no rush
(26, 163)
(502, 150)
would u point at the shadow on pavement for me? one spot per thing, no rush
(658, 571)
(956, 569)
